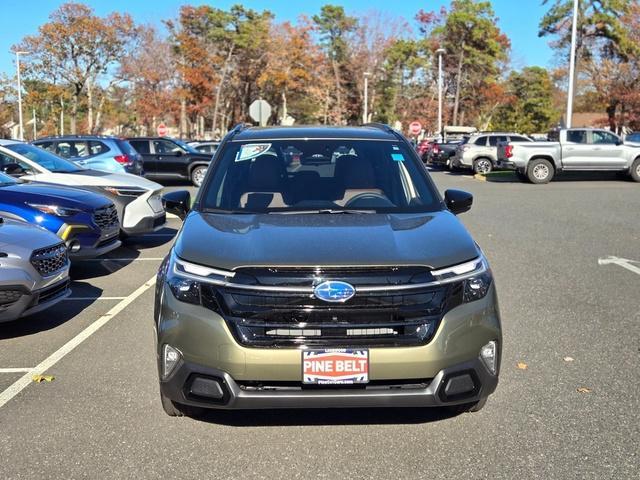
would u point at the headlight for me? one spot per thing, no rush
(475, 276)
(190, 282)
(125, 191)
(56, 210)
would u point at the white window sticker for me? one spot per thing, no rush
(252, 150)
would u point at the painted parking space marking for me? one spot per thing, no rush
(24, 381)
(15, 370)
(124, 259)
(622, 262)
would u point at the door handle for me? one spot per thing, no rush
(598, 148)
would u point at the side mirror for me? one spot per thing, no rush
(458, 201)
(13, 169)
(178, 203)
(178, 153)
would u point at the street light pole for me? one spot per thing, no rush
(365, 113)
(440, 52)
(572, 64)
(20, 125)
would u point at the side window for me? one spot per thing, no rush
(481, 141)
(493, 141)
(165, 146)
(577, 136)
(46, 145)
(63, 149)
(604, 138)
(517, 138)
(141, 146)
(96, 148)
(78, 149)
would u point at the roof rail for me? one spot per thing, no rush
(237, 129)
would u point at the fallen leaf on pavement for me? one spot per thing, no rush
(583, 390)
(522, 366)
(43, 378)
(568, 359)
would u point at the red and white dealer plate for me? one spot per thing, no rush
(335, 366)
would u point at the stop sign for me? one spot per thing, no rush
(415, 128)
(162, 130)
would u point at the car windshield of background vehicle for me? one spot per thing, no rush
(319, 175)
(6, 180)
(44, 158)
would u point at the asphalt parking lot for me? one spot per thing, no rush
(567, 265)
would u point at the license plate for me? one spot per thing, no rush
(335, 366)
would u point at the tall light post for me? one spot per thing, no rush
(440, 52)
(20, 125)
(572, 64)
(365, 113)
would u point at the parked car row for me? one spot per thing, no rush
(158, 158)
(53, 211)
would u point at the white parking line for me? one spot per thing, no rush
(15, 370)
(59, 354)
(622, 262)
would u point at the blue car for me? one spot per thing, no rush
(97, 152)
(87, 222)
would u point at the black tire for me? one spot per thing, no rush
(540, 171)
(197, 175)
(635, 170)
(468, 407)
(174, 409)
(482, 166)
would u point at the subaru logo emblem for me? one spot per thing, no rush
(334, 291)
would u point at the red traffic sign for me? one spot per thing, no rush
(415, 128)
(162, 130)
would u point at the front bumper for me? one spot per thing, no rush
(33, 302)
(210, 351)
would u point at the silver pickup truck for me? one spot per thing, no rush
(577, 149)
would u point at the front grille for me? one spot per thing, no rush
(50, 293)
(106, 218)
(7, 297)
(50, 260)
(372, 318)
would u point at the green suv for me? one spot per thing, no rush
(320, 267)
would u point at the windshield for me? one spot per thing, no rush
(44, 158)
(318, 175)
(187, 148)
(6, 180)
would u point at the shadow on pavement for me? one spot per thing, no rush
(347, 416)
(50, 318)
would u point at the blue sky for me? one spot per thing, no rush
(517, 18)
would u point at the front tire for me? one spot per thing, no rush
(197, 175)
(635, 170)
(540, 171)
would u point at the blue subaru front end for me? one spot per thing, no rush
(87, 222)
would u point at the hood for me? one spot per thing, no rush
(435, 240)
(52, 195)
(25, 236)
(95, 178)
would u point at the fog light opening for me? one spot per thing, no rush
(489, 355)
(74, 247)
(170, 359)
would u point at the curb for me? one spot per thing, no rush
(479, 176)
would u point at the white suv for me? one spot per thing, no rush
(479, 152)
(137, 199)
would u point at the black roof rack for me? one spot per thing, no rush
(237, 129)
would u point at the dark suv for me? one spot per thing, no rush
(335, 277)
(166, 158)
(97, 152)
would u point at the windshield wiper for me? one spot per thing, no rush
(330, 211)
